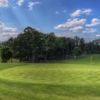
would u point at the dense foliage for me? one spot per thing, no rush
(77, 51)
(6, 54)
(33, 46)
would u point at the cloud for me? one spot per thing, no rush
(89, 30)
(57, 12)
(4, 38)
(6, 29)
(97, 35)
(8, 33)
(20, 2)
(68, 34)
(31, 4)
(71, 23)
(3, 3)
(80, 12)
(1, 25)
(36, 28)
(94, 22)
(76, 29)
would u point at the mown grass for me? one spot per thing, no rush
(75, 79)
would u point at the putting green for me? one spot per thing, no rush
(53, 73)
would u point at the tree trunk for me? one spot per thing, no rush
(37, 58)
(32, 57)
(20, 59)
(29, 60)
(45, 56)
(11, 59)
(63, 53)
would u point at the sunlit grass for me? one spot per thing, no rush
(76, 79)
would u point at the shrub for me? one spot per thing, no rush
(6, 53)
(77, 51)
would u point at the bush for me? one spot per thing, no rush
(77, 51)
(6, 53)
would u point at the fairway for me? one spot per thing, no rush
(75, 79)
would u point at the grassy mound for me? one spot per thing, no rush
(76, 79)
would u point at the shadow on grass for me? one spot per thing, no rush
(76, 90)
(11, 65)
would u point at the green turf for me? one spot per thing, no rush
(75, 79)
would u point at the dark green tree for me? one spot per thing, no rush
(49, 45)
(18, 47)
(33, 40)
(82, 44)
(6, 54)
(77, 39)
(71, 45)
(63, 43)
(77, 51)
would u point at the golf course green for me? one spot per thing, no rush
(74, 79)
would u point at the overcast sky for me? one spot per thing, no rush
(68, 18)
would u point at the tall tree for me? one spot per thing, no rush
(33, 42)
(49, 44)
(71, 45)
(18, 47)
(64, 46)
(82, 44)
(77, 39)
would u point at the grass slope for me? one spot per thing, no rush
(75, 79)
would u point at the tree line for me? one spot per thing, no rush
(33, 46)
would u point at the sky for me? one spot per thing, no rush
(67, 18)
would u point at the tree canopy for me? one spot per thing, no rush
(77, 51)
(33, 46)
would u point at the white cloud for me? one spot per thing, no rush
(80, 12)
(57, 12)
(8, 33)
(6, 29)
(94, 22)
(4, 38)
(20, 2)
(76, 13)
(31, 4)
(71, 23)
(87, 11)
(3, 3)
(97, 35)
(1, 25)
(68, 34)
(89, 30)
(36, 28)
(76, 29)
